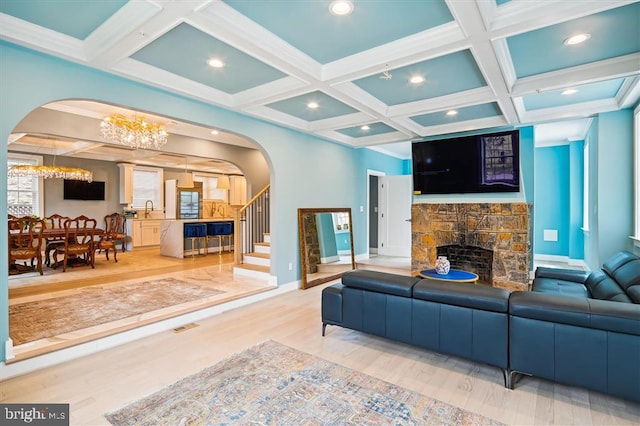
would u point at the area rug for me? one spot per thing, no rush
(273, 384)
(94, 305)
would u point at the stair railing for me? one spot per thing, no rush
(251, 222)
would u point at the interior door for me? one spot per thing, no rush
(395, 215)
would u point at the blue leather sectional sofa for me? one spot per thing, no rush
(576, 328)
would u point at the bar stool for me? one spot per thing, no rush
(220, 230)
(196, 233)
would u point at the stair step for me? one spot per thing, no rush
(262, 247)
(267, 238)
(252, 271)
(254, 258)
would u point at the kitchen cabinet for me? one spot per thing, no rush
(238, 191)
(126, 183)
(145, 233)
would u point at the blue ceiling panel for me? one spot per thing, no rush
(444, 75)
(191, 48)
(374, 129)
(615, 32)
(326, 38)
(585, 93)
(77, 18)
(464, 114)
(501, 2)
(297, 107)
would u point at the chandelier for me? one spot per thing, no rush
(47, 172)
(136, 133)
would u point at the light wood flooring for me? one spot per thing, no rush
(105, 381)
(142, 264)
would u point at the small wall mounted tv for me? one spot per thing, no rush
(467, 164)
(82, 190)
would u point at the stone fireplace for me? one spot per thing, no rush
(490, 239)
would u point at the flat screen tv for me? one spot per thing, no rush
(468, 164)
(82, 190)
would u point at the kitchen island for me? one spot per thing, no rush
(172, 242)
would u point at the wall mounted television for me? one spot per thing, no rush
(82, 190)
(467, 164)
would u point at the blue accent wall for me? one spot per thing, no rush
(552, 202)
(615, 182)
(610, 140)
(298, 161)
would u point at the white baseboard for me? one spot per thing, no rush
(63, 355)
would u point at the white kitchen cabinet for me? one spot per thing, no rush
(238, 191)
(146, 233)
(126, 183)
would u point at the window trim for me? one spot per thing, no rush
(636, 148)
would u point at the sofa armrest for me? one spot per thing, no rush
(571, 275)
(589, 313)
(463, 294)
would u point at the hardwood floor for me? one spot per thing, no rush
(105, 381)
(147, 264)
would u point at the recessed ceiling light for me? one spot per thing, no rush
(569, 91)
(452, 112)
(416, 79)
(577, 39)
(341, 7)
(365, 128)
(215, 63)
(215, 132)
(312, 105)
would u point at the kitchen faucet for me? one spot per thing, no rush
(146, 211)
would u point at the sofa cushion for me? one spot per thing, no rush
(587, 313)
(602, 286)
(381, 282)
(463, 294)
(624, 267)
(555, 286)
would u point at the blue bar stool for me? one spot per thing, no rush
(196, 233)
(220, 231)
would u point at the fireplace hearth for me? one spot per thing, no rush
(489, 239)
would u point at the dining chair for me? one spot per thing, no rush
(54, 221)
(121, 231)
(109, 239)
(25, 242)
(78, 246)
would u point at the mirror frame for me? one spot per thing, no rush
(303, 258)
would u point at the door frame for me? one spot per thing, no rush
(371, 172)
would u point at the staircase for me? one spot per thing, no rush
(256, 264)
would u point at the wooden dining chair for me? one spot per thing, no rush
(25, 236)
(78, 246)
(109, 240)
(120, 231)
(54, 221)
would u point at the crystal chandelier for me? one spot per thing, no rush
(47, 172)
(136, 133)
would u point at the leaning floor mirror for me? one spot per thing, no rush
(326, 244)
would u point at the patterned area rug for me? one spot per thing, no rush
(273, 384)
(94, 305)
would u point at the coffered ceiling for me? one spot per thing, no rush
(495, 63)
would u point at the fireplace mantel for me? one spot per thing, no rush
(503, 228)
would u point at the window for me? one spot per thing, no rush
(24, 195)
(209, 187)
(147, 185)
(341, 221)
